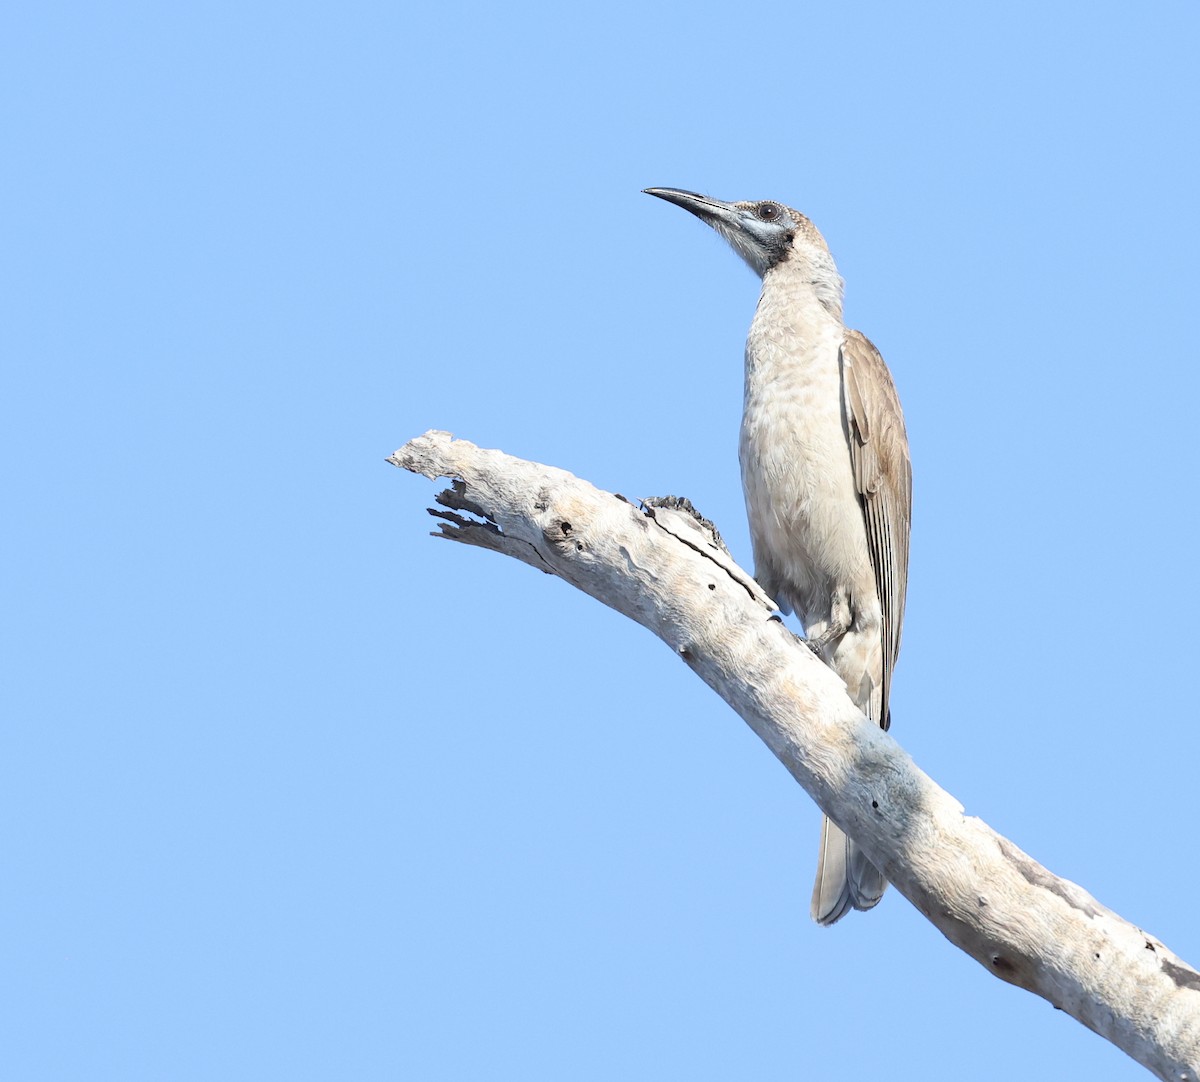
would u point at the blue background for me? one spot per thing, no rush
(290, 790)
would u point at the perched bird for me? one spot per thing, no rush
(827, 479)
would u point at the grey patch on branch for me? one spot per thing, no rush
(1183, 976)
(1003, 966)
(678, 516)
(682, 503)
(1032, 872)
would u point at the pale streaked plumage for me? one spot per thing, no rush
(826, 474)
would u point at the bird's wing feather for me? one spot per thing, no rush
(883, 474)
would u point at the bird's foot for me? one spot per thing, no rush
(818, 643)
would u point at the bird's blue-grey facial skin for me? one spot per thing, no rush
(760, 232)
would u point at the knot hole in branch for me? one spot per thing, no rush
(567, 530)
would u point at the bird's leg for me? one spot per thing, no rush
(837, 625)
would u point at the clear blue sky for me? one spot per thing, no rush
(289, 790)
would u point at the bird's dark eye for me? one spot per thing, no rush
(768, 212)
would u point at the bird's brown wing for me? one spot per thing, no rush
(883, 474)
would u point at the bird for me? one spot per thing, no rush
(827, 479)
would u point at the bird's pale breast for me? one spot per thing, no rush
(805, 519)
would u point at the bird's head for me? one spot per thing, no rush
(764, 233)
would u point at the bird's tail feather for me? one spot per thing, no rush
(845, 878)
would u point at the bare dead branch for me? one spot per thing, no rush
(662, 568)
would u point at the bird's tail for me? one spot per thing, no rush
(845, 878)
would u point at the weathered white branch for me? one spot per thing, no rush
(658, 567)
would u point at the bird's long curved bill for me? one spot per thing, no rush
(703, 207)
